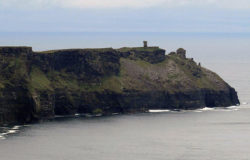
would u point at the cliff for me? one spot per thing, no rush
(37, 85)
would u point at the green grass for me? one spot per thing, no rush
(172, 76)
(112, 83)
(146, 64)
(200, 82)
(149, 49)
(13, 71)
(77, 49)
(203, 82)
(97, 111)
(2, 85)
(63, 80)
(143, 64)
(39, 80)
(70, 82)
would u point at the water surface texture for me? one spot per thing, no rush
(205, 134)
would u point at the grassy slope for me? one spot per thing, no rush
(174, 74)
(147, 49)
(13, 72)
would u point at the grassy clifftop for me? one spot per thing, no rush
(34, 85)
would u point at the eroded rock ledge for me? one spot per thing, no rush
(38, 85)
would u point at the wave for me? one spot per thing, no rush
(197, 111)
(16, 127)
(9, 130)
(207, 109)
(232, 107)
(158, 110)
(226, 109)
(244, 103)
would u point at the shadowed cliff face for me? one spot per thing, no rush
(37, 85)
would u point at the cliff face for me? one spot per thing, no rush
(37, 85)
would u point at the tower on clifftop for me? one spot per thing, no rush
(145, 43)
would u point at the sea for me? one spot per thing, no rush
(203, 134)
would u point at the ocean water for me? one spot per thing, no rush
(207, 134)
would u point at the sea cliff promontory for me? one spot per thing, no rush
(40, 85)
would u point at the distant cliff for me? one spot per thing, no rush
(38, 85)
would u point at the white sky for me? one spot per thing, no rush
(229, 4)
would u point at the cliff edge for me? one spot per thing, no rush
(37, 85)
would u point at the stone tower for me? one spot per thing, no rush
(145, 43)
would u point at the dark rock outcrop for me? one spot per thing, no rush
(38, 85)
(181, 52)
(15, 50)
(148, 54)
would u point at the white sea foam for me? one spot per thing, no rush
(3, 134)
(244, 103)
(206, 109)
(230, 110)
(231, 107)
(2, 137)
(198, 111)
(15, 127)
(158, 111)
(11, 131)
